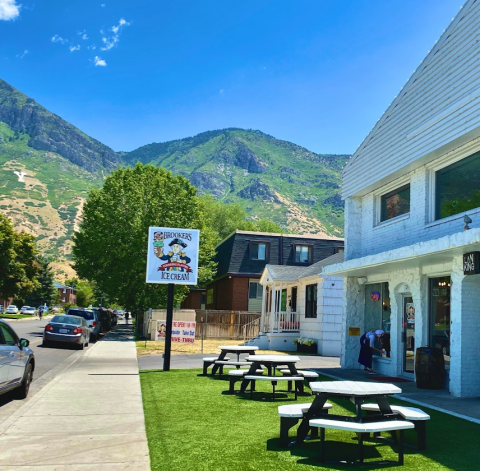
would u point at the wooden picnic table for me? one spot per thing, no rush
(237, 349)
(357, 392)
(271, 362)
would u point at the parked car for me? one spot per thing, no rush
(91, 318)
(104, 317)
(67, 329)
(31, 311)
(17, 362)
(12, 309)
(22, 309)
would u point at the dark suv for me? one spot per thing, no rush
(90, 316)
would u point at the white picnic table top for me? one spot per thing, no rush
(238, 348)
(353, 388)
(273, 358)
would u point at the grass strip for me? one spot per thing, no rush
(193, 424)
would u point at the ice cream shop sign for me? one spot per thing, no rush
(471, 263)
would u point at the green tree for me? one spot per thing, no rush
(18, 264)
(226, 218)
(45, 292)
(111, 245)
(85, 295)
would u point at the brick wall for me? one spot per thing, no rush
(239, 294)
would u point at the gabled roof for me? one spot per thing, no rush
(436, 111)
(60, 286)
(292, 274)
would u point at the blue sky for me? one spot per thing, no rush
(318, 73)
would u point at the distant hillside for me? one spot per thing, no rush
(48, 166)
(271, 178)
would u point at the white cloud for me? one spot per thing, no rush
(112, 41)
(103, 5)
(9, 10)
(92, 47)
(75, 48)
(99, 62)
(23, 54)
(83, 34)
(57, 39)
(222, 91)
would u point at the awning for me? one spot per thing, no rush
(434, 251)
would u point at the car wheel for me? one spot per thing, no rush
(22, 391)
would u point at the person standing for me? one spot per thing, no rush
(367, 347)
(127, 316)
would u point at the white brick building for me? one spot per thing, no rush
(407, 189)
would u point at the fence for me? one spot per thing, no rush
(213, 324)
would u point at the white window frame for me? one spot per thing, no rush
(377, 197)
(432, 168)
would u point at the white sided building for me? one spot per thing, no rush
(411, 260)
(297, 302)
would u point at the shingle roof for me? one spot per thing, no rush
(289, 273)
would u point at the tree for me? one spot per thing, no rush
(226, 218)
(85, 295)
(111, 245)
(18, 264)
(45, 292)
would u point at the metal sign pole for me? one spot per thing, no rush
(168, 333)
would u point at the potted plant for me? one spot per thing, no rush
(305, 345)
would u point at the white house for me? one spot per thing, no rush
(297, 302)
(408, 190)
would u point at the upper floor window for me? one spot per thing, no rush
(258, 250)
(395, 203)
(303, 253)
(457, 187)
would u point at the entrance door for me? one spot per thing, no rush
(408, 334)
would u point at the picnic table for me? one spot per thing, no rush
(237, 349)
(271, 362)
(358, 393)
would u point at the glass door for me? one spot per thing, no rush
(408, 334)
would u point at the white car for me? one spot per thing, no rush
(31, 311)
(12, 309)
(23, 309)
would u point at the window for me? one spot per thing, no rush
(9, 336)
(377, 307)
(311, 301)
(64, 290)
(258, 251)
(457, 187)
(395, 203)
(440, 316)
(254, 290)
(64, 300)
(303, 253)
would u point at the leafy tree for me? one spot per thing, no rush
(111, 245)
(226, 218)
(45, 292)
(85, 294)
(18, 264)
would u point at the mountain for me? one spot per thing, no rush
(270, 178)
(48, 167)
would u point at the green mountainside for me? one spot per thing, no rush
(47, 168)
(270, 178)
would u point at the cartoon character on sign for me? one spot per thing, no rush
(178, 260)
(162, 330)
(158, 243)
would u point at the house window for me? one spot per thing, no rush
(457, 187)
(311, 301)
(395, 203)
(255, 296)
(303, 253)
(258, 251)
(64, 290)
(377, 307)
(63, 300)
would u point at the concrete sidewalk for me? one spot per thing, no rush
(89, 417)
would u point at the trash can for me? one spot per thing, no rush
(429, 368)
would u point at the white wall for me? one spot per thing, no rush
(417, 226)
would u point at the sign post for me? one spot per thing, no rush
(172, 258)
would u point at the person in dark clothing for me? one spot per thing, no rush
(367, 347)
(384, 341)
(127, 316)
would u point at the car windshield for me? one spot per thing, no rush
(66, 320)
(88, 315)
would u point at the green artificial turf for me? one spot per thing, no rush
(193, 424)
(15, 316)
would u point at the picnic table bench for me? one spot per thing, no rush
(274, 380)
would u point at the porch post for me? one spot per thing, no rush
(264, 307)
(272, 307)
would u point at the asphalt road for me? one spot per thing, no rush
(45, 358)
